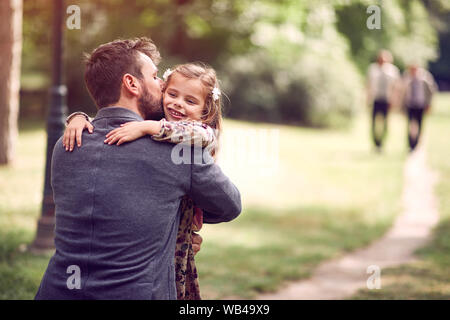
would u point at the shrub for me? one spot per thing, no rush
(309, 84)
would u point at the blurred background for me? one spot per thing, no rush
(275, 58)
(294, 67)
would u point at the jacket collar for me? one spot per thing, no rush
(117, 112)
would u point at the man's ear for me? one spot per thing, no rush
(131, 84)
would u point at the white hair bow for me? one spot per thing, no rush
(216, 93)
(166, 74)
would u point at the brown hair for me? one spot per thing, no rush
(212, 112)
(386, 55)
(107, 64)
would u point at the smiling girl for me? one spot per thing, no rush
(192, 108)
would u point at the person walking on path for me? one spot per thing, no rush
(418, 89)
(382, 79)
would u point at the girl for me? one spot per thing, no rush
(192, 106)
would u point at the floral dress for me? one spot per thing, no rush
(186, 276)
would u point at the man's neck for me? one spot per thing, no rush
(130, 105)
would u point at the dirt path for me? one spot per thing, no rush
(341, 278)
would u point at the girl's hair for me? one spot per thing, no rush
(212, 112)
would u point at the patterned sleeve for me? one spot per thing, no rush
(186, 131)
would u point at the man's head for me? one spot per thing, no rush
(125, 70)
(413, 67)
(384, 56)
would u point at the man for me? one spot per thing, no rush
(381, 86)
(117, 208)
(418, 86)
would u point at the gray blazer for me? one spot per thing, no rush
(117, 214)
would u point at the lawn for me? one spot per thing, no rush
(308, 195)
(429, 277)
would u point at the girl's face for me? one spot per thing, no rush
(184, 98)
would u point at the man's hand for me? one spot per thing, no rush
(196, 242)
(74, 131)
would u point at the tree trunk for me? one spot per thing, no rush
(11, 50)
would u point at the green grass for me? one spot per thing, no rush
(330, 194)
(20, 271)
(21, 187)
(429, 277)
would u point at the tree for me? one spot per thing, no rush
(11, 49)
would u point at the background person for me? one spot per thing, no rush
(419, 87)
(382, 80)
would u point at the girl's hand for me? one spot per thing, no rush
(127, 132)
(74, 131)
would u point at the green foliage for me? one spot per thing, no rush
(306, 91)
(280, 61)
(292, 76)
(405, 30)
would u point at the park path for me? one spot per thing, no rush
(341, 278)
